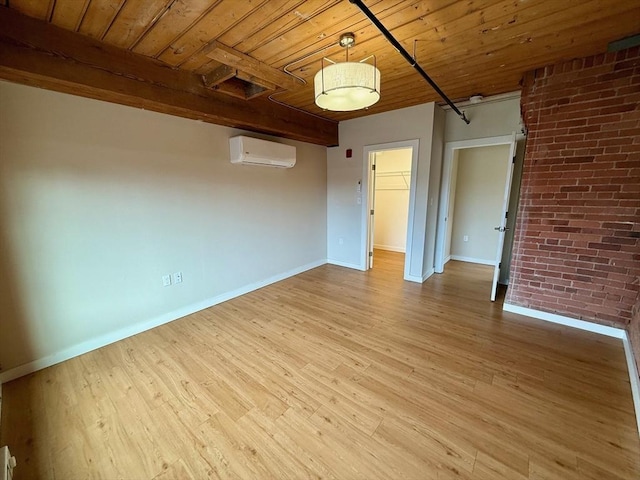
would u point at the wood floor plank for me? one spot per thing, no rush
(376, 458)
(340, 461)
(185, 439)
(450, 416)
(488, 468)
(337, 400)
(287, 447)
(176, 470)
(281, 460)
(596, 415)
(336, 374)
(276, 378)
(441, 451)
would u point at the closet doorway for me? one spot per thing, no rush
(391, 185)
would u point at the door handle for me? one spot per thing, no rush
(501, 229)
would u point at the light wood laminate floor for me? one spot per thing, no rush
(336, 374)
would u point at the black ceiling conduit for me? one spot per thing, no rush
(412, 61)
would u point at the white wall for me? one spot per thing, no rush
(98, 201)
(345, 231)
(433, 198)
(393, 178)
(489, 119)
(478, 202)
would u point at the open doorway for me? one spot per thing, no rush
(476, 206)
(390, 182)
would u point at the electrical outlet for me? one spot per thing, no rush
(177, 277)
(465, 238)
(166, 280)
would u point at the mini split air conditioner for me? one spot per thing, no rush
(253, 151)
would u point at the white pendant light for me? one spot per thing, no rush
(347, 86)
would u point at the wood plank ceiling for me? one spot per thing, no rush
(241, 49)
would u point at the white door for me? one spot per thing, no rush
(372, 204)
(502, 228)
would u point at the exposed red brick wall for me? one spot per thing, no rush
(576, 249)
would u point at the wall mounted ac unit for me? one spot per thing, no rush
(254, 151)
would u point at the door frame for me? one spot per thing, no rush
(371, 191)
(445, 188)
(366, 201)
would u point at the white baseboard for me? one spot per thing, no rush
(481, 261)
(417, 279)
(568, 321)
(345, 264)
(428, 274)
(123, 333)
(596, 328)
(413, 278)
(389, 248)
(446, 260)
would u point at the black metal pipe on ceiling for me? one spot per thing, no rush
(412, 61)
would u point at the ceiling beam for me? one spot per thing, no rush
(240, 89)
(233, 58)
(219, 75)
(36, 53)
(255, 80)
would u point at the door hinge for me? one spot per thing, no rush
(513, 160)
(506, 214)
(371, 254)
(373, 166)
(371, 212)
(500, 265)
